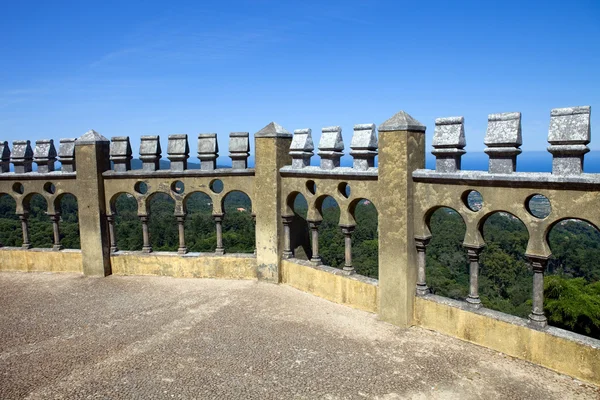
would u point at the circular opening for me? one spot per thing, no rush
(538, 205)
(49, 187)
(216, 186)
(178, 187)
(311, 186)
(344, 189)
(141, 187)
(473, 200)
(18, 188)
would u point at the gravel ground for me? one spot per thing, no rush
(69, 337)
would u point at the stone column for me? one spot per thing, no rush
(55, 218)
(254, 221)
(181, 225)
(421, 244)
(537, 317)
(92, 155)
(347, 231)
(287, 240)
(147, 247)
(272, 144)
(401, 151)
(111, 231)
(220, 250)
(314, 232)
(25, 227)
(473, 255)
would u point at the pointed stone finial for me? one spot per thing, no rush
(44, 155)
(364, 146)
(208, 151)
(569, 134)
(239, 149)
(4, 157)
(90, 137)
(178, 151)
(448, 143)
(66, 154)
(273, 130)
(402, 122)
(331, 147)
(503, 139)
(120, 153)
(22, 156)
(302, 148)
(150, 152)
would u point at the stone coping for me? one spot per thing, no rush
(511, 319)
(484, 178)
(167, 173)
(41, 249)
(186, 255)
(334, 271)
(34, 175)
(339, 172)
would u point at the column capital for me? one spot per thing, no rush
(348, 229)
(538, 263)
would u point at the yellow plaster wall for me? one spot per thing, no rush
(341, 289)
(40, 260)
(566, 356)
(189, 266)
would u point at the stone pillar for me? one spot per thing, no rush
(92, 155)
(239, 149)
(448, 143)
(181, 226)
(220, 250)
(44, 155)
(314, 233)
(22, 156)
(331, 147)
(121, 154)
(4, 157)
(364, 146)
(178, 151)
(25, 227)
(287, 240)
(503, 139)
(568, 136)
(254, 221)
(55, 218)
(111, 232)
(347, 231)
(537, 317)
(421, 244)
(146, 247)
(271, 146)
(401, 151)
(473, 255)
(150, 153)
(301, 149)
(66, 155)
(208, 151)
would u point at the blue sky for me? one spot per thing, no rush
(135, 68)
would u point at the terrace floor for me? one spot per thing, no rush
(66, 336)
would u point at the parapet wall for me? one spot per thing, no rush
(96, 170)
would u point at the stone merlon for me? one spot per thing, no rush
(503, 139)
(120, 153)
(568, 135)
(364, 146)
(331, 147)
(302, 148)
(448, 143)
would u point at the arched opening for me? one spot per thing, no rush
(505, 274)
(162, 224)
(238, 224)
(300, 241)
(331, 238)
(40, 226)
(200, 235)
(572, 280)
(11, 234)
(69, 222)
(128, 227)
(365, 242)
(447, 270)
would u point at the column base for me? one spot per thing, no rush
(147, 249)
(182, 250)
(57, 247)
(26, 246)
(316, 260)
(422, 289)
(114, 249)
(473, 301)
(220, 252)
(287, 254)
(538, 320)
(348, 270)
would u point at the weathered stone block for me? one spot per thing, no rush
(178, 151)
(120, 153)
(364, 146)
(331, 147)
(448, 143)
(4, 157)
(239, 149)
(150, 153)
(503, 139)
(302, 148)
(208, 151)
(44, 155)
(22, 156)
(569, 134)
(66, 154)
